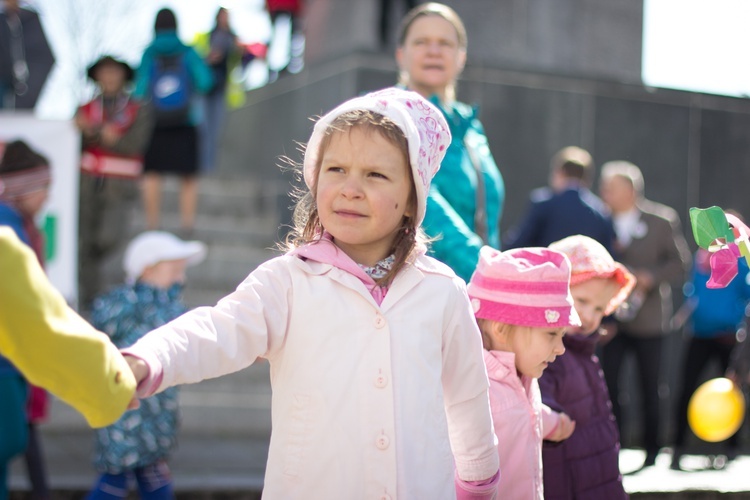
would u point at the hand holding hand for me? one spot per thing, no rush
(140, 372)
(565, 428)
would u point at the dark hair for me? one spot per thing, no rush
(218, 13)
(110, 61)
(573, 162)
(19, 156)
(165, 20)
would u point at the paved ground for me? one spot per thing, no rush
(224, 442)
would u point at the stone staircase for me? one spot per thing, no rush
(239, 219)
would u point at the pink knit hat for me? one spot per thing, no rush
(524, 286)
(589, 259)
(423, 125)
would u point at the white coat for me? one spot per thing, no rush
(368, 400)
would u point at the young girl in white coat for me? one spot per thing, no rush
(379, 388)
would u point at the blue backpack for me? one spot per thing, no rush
(170, 90)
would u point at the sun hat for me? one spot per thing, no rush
(152, 247)
(423, 125)
(589, 259)
(523, 286)
(104, 60)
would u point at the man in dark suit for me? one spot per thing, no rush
(565, 208)
(651, 244)
(25, 56)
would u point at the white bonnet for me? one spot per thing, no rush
(421, 122)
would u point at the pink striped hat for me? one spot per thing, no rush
(524, 286)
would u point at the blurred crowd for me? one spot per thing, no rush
(165, 118)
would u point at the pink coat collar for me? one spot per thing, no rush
(325, 251)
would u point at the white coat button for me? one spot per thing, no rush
(382, 442)
(379, 321)
(381, 381)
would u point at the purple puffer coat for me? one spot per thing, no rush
(585, 466)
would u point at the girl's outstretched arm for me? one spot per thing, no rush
(208, 342)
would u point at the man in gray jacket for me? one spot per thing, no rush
(651, 244)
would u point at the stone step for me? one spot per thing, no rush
(239, 219)
(253, 231)
(226, 265)
(247, 198)
(238, 404)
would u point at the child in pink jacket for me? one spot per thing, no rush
(379, 390)
(522, 302)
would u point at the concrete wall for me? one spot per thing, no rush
(594, 38)
(693, 148)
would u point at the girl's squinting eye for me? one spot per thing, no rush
(378, 175)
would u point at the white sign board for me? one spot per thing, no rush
(59, 142)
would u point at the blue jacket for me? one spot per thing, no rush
(553, 216)
(10, 217)
(147, 434)
(166, 43)
(451, 202)
(718, 311)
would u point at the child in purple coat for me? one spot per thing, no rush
(585, 466)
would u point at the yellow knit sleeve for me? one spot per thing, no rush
(54, 347)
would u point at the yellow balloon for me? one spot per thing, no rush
(716, 410)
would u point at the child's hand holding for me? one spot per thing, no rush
(140, 372)
(564, 429)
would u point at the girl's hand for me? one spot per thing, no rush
(140, 372)
(565, 428)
